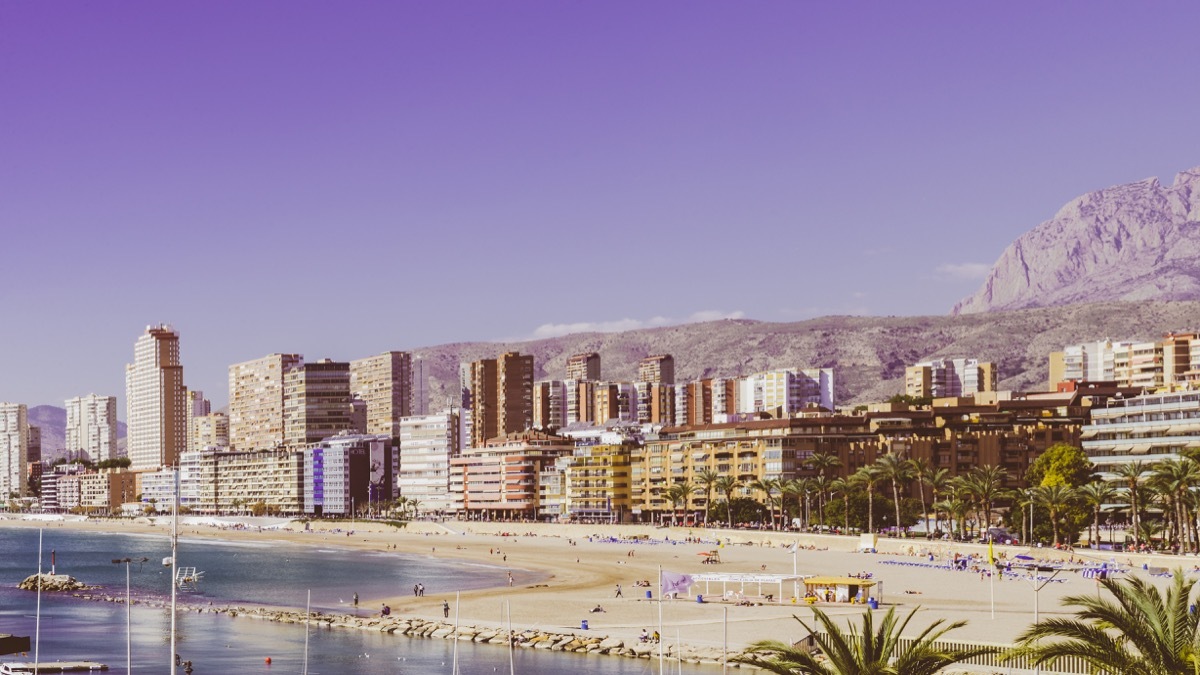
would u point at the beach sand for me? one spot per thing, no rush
(581, 569)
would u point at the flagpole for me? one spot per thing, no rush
(660, 619)
(992, 574)
(725, 640)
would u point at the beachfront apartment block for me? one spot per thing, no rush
(427, 444)
(256, 397)
(1147, 428)
(384, 383)
(549, 404)
(316, 403)
(91, 427)
(501, 479)
(14, 450)
(155, 400)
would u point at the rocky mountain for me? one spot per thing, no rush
(1132, 242)
(869, 353)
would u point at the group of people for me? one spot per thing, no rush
(419, 590)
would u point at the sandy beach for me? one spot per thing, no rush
(581, 569)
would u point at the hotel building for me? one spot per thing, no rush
(155, 400)
(384, 383)
(92, 427)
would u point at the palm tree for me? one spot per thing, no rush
(1139, 631)
(1174, 479)
(767, 486)
(707, 478)
(893, 468)
(1096, 494)
(1055, 498)
(842, 487)
(867, 477)
(726, 485)
(986, 482)
(675, 494)
(822, 461)
(939, 483)
(1131, 476)
(920, 471)
(869, 650)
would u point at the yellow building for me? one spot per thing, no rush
(597, 483)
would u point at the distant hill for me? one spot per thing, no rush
(869, 353)
(1139, 241)
(53, 422)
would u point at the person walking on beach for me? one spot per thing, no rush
(356, 601)
(510, 579)
(416, 590)
(618, 595)
(446, 609)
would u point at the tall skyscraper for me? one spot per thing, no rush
(420, 387)
(156, 400)
(256, 401)
(316, 403)
(92, 427)
(384, 383)
(14, 450)
(502, 393)
(660, 369)
(584, 367)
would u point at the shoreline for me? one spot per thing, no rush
(579, 566)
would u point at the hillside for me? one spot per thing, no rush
(870, 353)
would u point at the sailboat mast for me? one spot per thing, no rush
(307, 612)
(174, 563)
(37, 622)
(512, 666)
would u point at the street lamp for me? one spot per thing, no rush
(128, 631)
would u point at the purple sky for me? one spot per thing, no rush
(339, 179)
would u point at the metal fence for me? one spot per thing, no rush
(1021, 664)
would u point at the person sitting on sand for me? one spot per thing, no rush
(386, 611)
(597, 609)
(645, 636)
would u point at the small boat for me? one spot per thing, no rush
(27, 668)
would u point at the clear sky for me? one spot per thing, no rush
(343, 178)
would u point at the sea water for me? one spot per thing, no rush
(254, 574)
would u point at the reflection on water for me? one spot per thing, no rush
(252, 573)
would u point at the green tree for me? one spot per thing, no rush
(1061, 464)
(823, 462)
(1137, 631)
(869, 650)
(1056, 498)
(868, 477)
(842, 486)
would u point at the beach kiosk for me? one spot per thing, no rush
(839, 589)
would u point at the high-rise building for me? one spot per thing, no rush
(660, 369)
(502, 393)
(316, 403)
(785, 392)
(92, 427)
(384, 383)
(156, 402)
(209, 431)
(427, 444)
(584, 367)
(14, 449)
(256, 401)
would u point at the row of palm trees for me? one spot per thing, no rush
(1168, 486)
(1136, 630)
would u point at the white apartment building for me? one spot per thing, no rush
(156, 400)
(1138, 364)
(427, 444)
(14, 450)
(786, 392)
(1091, 361)
(92, 426)
(1145, 428)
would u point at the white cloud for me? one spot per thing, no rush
(550, 330)
(966, 271)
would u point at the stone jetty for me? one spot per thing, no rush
(52, 583)
(555, 641)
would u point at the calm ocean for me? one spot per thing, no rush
(251, 574)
